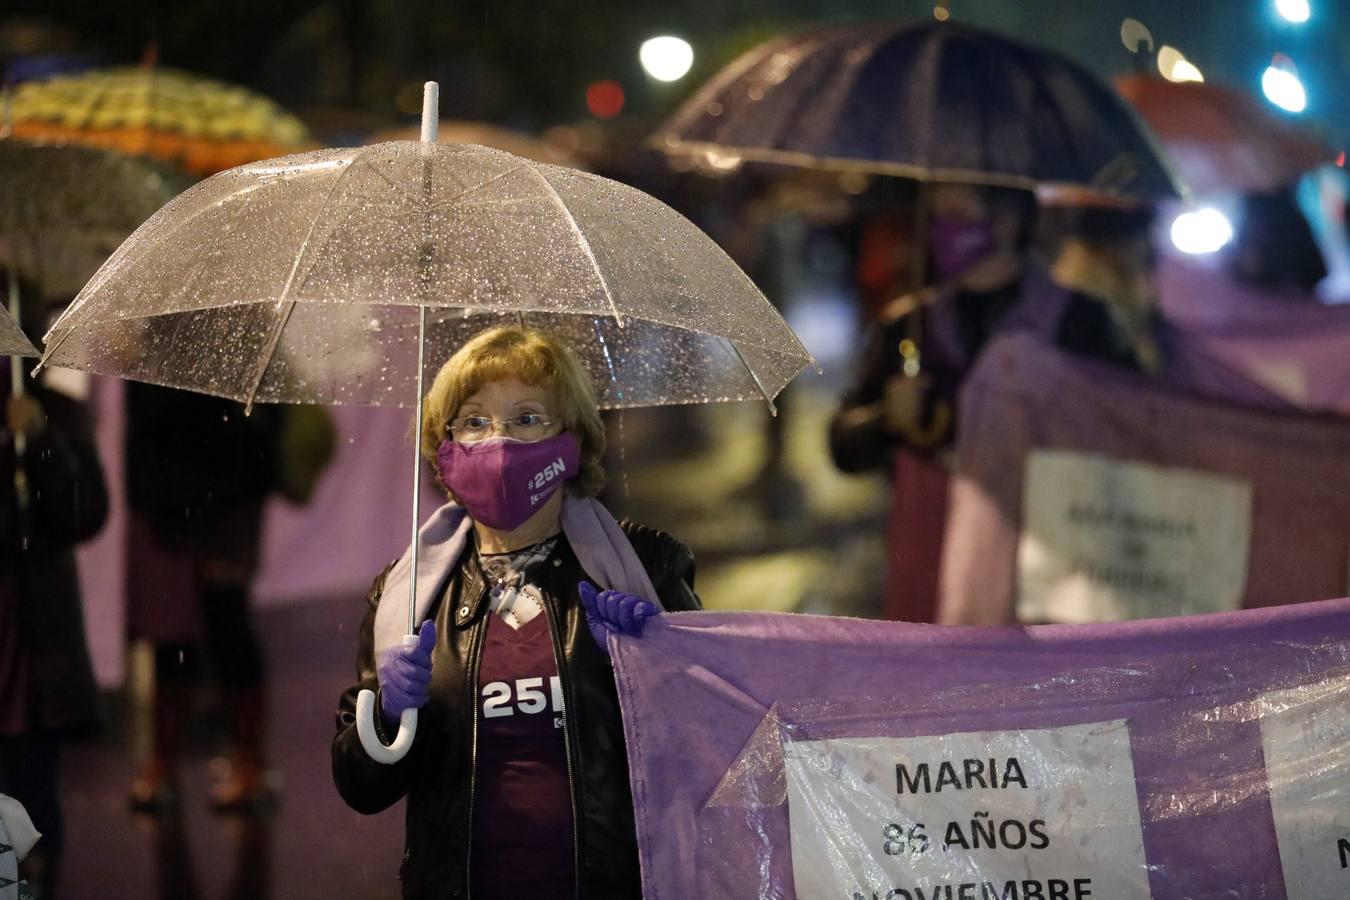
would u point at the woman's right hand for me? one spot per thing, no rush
(405, 675)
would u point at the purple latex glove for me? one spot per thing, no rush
(613, 612)
(405, 675)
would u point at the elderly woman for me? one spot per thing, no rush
(517, 782)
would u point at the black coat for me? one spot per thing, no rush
(193, 461)
(436, 775)
(68, 504)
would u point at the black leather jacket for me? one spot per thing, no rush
(437, 774)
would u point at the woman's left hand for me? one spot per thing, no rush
(614, 612)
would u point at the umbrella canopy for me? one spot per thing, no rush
(65, 208)
(202, 125)
(935, 101)
(1223, 140)
(301, 280)
(13, 342)
(487, 134)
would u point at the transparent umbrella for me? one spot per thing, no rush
(334, 276)
(13, 342)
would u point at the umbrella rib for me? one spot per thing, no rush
(754, 377)
(468, 189)
(275, 337)
(585, 244)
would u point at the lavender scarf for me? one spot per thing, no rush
(599, 543)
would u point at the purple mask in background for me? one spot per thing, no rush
(502, 482)
(957, 244)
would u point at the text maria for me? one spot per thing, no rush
(967, 775)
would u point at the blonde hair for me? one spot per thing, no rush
(534, 358)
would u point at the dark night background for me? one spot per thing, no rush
(353, 65)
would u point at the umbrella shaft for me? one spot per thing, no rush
(430, 120)
(417, 464)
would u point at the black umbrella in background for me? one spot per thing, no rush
(934, 101)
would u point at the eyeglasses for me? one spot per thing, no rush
(526, 427)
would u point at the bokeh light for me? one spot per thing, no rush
(1294, 10)
(1174, 66)
(604, 99)
(1201, 231)
(666, 58)
(1283, 88)
(1135, 35)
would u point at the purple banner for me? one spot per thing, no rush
(1289, 343)
(1291, 470)
(1210, 751)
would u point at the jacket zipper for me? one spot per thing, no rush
(555, 629)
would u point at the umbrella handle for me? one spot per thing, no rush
(365, 730)
(376, 749)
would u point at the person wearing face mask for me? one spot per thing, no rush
(517, 781)
(901, 412)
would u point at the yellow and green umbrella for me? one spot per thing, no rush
(202, 125)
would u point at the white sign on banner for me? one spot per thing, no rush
(1105, 540)
(1047, 814)
(1305, 733)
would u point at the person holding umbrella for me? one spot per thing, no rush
(517, 780)
(332, 277)
(52, 497)
(948, 105)
(903, 419)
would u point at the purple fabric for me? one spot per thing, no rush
(1040, 304)
(958, 244)
(522, 807)
(502, 482)
(599, 543)
(708, 697)
(1290, 343)
(1015, 402)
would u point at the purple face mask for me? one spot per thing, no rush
(957, 244)
(502, 482)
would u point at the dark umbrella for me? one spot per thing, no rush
(935, 101)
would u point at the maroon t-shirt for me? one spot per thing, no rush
(522, 807)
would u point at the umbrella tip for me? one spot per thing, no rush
(431, 97)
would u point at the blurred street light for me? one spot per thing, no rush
(1283, 88)
(1296, 11)
(1201, 231)
(1176, 67)
(666, 58)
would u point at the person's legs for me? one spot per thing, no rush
(177, 670)
(238, 663)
